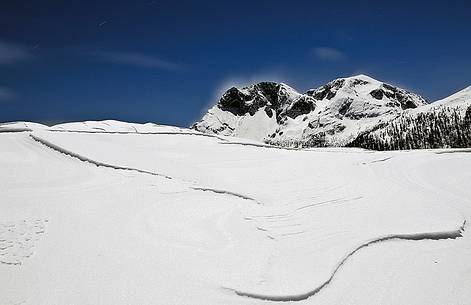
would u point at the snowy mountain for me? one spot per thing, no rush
(461, 99)
(331, 115)
(444, 123)
(256, 111)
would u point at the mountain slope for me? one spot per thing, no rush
(444, 123)
(255, 111)
(331, 115)
(461, 99)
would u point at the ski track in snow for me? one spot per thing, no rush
(304, 207)
(303, 296)
(117, 167)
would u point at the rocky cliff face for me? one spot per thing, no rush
(331, 115)
(275, 99)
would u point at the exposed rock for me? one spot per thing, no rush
(327, 91)
(331, 115)
(377, 94)
(301, 106)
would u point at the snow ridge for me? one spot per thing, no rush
(86, 159)
(303, 296)
(99, 163)
(8, 129)
(137, 132)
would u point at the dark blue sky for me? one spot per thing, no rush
(166, 61)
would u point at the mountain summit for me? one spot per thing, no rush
(331, 115)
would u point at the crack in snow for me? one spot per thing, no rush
(217, 191)
(378, 160)
(9, 130)
(86, 159)
(303, 296)
(117, 167)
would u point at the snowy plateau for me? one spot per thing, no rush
(243, 208)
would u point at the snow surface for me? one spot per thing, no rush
(102, 214)
(461, 99)
(20, 126)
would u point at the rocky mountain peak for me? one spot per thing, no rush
(276, 99)
(365, 87)
(331, 114)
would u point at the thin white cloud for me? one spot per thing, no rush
(136, 59)
(6, 95)
(12, 53)
(328, 54)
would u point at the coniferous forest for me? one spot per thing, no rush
(444, 127)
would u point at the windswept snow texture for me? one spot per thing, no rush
(303, 296)
(235, 223)
(331, 115)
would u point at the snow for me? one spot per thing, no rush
(20, 126)
(125, 213)
(337, 119)
(362, 112)
(110, 126)
(461, 99)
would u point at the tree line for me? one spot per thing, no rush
(443, 127)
